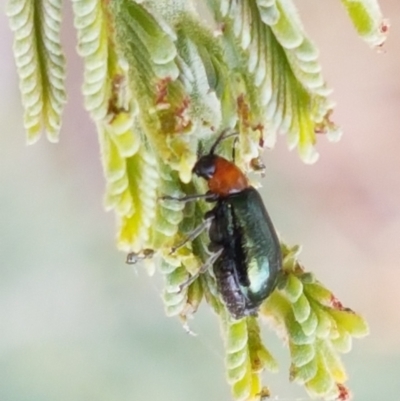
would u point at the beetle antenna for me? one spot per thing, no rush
(222, 136)
(236, 140)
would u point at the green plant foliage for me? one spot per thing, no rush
(280, 66)
(40, 63)
(160, 84)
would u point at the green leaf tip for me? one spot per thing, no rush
(368, 20)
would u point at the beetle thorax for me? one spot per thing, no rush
(227, 179)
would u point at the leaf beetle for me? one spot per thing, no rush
(245, 250)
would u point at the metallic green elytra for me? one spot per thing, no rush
(248, 267)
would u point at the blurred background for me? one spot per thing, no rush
(76, 323)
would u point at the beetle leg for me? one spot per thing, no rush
(190, 198)
(194, 233)
(207, 264)
(134, 257)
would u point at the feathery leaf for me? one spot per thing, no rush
(286, 90)
(318, 328)
(40, 63)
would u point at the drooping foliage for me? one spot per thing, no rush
(160, 84)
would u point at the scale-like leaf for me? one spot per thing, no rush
(40, 63)
(246, 357)
(318, 329)
(93, 46)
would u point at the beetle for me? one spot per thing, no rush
(245, 251)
